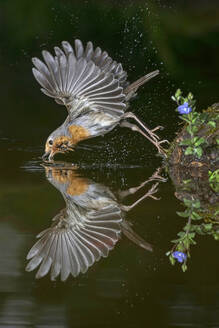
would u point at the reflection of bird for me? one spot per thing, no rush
(86, 229)
(95, 91)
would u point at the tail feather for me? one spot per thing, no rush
(130, 91)
(134, 237)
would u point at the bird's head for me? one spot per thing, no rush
(64, 139)
(57, 143)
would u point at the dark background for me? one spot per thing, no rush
(131, 288)
(180, 38)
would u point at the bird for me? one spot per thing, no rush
(94, 89)
(87, 228)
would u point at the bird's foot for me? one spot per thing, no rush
(159, 127)
(160, 149)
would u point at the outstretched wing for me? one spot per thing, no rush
(82, 77)
(64, 249)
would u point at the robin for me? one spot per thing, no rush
(87, 228)
(95, 91)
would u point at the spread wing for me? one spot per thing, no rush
(66, 249)
(82, 77)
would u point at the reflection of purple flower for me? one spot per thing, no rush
(180, 256)
(184, 108)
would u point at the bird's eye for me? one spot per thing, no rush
(50, 142)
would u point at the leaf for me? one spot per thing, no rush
(216, 236)
(175, 241)
(199, 230)
(208, 226)
(189, 129)
(196, 204)
(214, 176)
(199, 142)
(192, 241)
(183, 214)
(181, 234)
(186, 243)
(195, 117)
(187, 202)
(187, 181)
(194, 129)
(195, 216)
(190, 96)
(193, 227)
(187, 227)
(184, 118)
(194, 139)
(172, 260)
(194, 120)
(180, 247)
(216, 213)
(212, 124)
(199, 152)
(184, 267)
(178, 93)
(186, 142)
(189, 151)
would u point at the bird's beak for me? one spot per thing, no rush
(48, 156)
(45, 156)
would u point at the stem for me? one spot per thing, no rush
(189, 225)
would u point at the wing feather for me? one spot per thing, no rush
(79, 49)
(73, 75)
(67, 48)
(66, 249)
(89, 51)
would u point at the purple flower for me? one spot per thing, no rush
(179, 256)
(184, 108)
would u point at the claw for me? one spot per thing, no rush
(163, 141)
(159, 127)
(159, 148)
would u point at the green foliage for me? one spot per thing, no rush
(195, 225)
(193, 120)
(214, 180)
(194, 144)
(212, 124)
(180, 100)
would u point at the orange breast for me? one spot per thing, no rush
(76, 184)
(77, 187)
(78, 133)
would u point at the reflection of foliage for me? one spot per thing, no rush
(214, 180)
(196, 225)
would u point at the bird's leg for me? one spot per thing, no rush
(150, 132)
(155, 142)
(149, 193)
(131, 191)
(155, 177)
